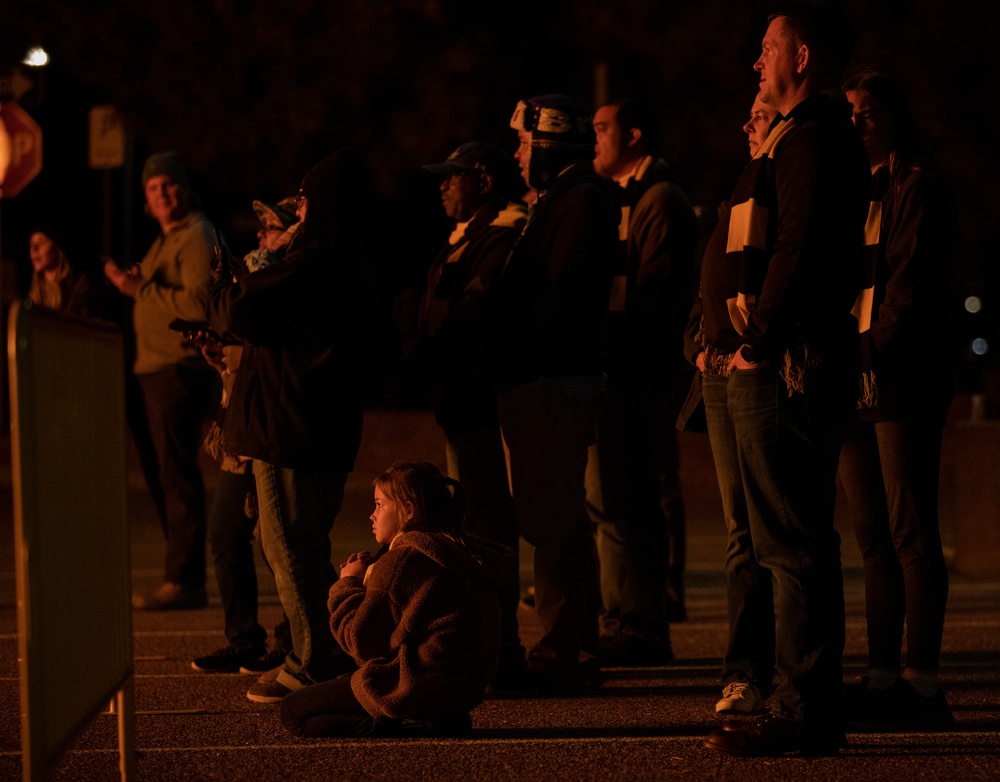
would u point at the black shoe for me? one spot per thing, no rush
(228, 659)
(447, 726)
(896, 708)
(675, 608)
(264, 662)
(171, 597)
(438, 725)
(773, 736)
(626, 650)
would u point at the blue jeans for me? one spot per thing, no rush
(297, 509)
(548, 426)
(749, 655)
(788, 449)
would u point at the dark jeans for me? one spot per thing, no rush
(325, 710)
(230, 540)
(788, 448)
(476, 459)
(548, 426)
(633, 525)
(749, 655)
(138, 424)
(890, 473)
(177, 401)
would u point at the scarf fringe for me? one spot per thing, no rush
(868, 397)
(213, 444)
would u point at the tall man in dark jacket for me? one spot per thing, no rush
(551, 304)
(479, 187)
(777, 286)
(637, 502)
(296, 405)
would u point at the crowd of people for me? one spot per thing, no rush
(565, 330)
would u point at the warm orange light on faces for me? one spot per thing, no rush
(523, 154)
(874, 126)
(460, 196)
(389, 517)
(269, 235)
(166, 200)
(757, 126)
(44, 252)
(778, 66)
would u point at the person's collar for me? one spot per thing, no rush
(458, 232)
(638, 171)
(173, 226)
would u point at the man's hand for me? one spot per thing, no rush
(211, 349)
(738, 362)
(127, 282)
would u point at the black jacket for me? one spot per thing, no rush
(785, 263)
(551, 300)
(306, 323)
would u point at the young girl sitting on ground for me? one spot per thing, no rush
(421, 620)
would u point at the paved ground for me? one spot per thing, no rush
(643, 724)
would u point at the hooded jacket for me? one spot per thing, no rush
(306, 323)
(423, 627)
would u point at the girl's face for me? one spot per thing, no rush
(389, 517)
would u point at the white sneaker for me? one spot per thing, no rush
(741, 698)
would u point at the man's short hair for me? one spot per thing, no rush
(633, 113)
(825, 30)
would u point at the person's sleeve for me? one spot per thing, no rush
(692, 342)
(917, 255)
(345, 600)
(189, 299)
(798, 177)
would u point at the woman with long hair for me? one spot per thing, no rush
(890, 464)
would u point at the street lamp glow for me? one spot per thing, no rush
(36, 57)
(979, 346)
(973, 304)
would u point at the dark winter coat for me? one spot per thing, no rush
(306, 323)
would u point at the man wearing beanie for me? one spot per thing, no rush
(306, 322)
(551, 302)
(178, 388)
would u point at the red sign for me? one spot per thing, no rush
(20, 149)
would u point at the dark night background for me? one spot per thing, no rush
(254, 92)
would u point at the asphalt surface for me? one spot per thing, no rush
(642, 724)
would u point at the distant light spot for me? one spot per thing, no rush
(979, 346)
(973, 304)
